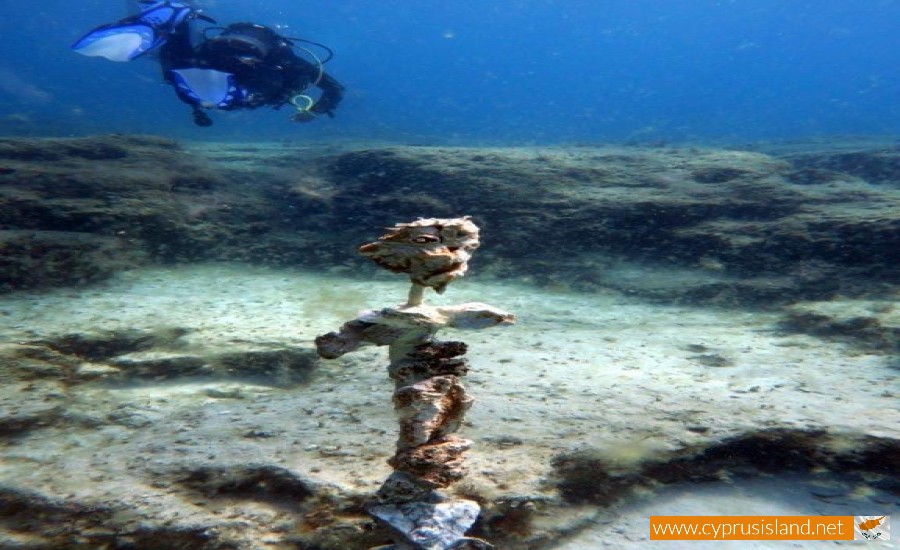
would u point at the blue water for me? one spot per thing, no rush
(500, 71)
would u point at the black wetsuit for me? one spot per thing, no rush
(272, 80)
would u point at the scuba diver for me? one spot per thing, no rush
(240, 66)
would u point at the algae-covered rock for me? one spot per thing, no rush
(37, 258)
(801, 223)
(74, 211)
(870, 325)
(740, 220)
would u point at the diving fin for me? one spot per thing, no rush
(134, 36)
(118, 42)
(207, 88)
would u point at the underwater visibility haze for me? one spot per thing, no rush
(552, 269)
(531, 71)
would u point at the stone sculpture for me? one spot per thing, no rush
(429, 399)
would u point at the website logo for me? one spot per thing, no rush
(871, 527)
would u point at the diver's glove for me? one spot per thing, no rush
(202, 119)
(304, 115)
(310, 114)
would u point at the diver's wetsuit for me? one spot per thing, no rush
(271, 80)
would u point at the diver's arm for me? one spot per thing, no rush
(300, 74)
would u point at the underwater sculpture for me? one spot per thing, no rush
(429, 399)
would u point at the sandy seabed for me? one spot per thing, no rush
(633, 381)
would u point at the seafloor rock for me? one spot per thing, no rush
(577, 200)
(263, 481)
(733, 227)
(77, 210)
(587, 475)
(431, 525)
(736, 218)
(131, 355)
(53, 258)
(871, 160)
(869, 325)
(44, 407)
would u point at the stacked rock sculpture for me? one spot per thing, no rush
(429, 399)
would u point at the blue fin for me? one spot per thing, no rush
(118, 42)
(134, 36)
(208, 88)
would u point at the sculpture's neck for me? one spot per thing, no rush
(416, 295)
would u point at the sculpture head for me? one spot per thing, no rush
(433, 251)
